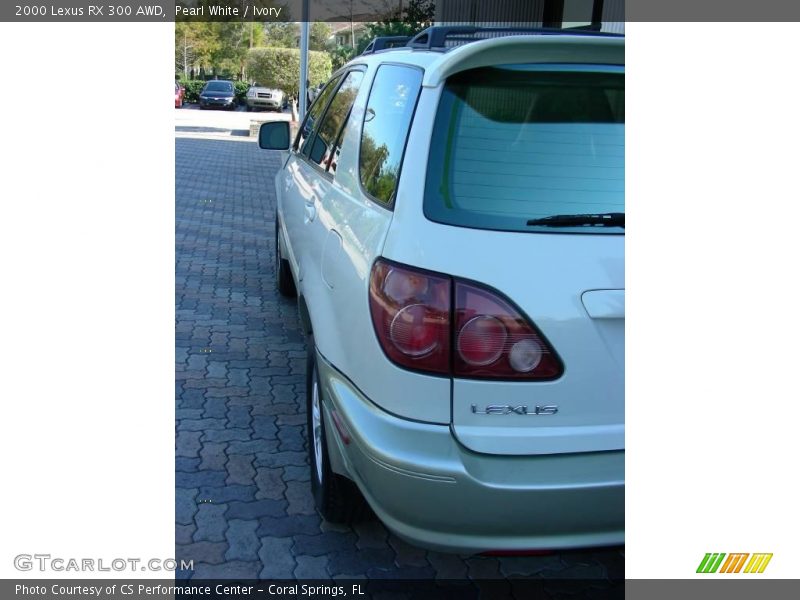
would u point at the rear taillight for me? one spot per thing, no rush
(434, 323)
(494, 340)
(411, 314)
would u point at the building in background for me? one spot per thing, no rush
(606, 15)
(348, 34)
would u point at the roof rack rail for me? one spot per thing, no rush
(437, 37)
(382, 43)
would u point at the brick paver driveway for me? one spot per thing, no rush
(243, 505)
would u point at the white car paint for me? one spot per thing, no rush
(333, 232)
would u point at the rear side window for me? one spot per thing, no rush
(391, 104)
(328, 132)
(312, 118)
(523, 142)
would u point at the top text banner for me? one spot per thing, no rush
(487, 12)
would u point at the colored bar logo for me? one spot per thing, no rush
(713, 562)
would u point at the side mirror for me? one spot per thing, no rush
(274, 135)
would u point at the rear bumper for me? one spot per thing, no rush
(433, 492)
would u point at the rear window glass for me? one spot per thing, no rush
(523, 142)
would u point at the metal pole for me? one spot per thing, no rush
(352, 28)
(304, 61)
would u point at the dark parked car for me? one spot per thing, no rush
(218, 94)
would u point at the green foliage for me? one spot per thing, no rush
(280, 35)
(196, 45)
(193, 88)
(318, 35)
(340, 55)
(257, 32)
(215, 48)
(280, 68)
(420, 13)
(240, 89)
(234, 43)
(378, 178)
(417, 15)
(287, 35)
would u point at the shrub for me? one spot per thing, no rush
(240, 88)
(193, 88)
(280, 68)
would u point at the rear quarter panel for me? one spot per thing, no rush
(355, 229)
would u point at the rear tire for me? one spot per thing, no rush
(283, 272)
(336, 498)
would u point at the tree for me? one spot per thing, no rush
(218, 47)
(281, 35)
(416, 16)
(196, 46)
(256, 32)
(280, 68)
(340, 55)
(420, 13)
(287, 35)
(184, 52)
(318, 36)
(235, 38)
(378, 177)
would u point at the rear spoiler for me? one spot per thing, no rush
(526, 49)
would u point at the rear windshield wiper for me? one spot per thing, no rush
(585, 220)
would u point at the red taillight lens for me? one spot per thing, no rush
(494, 340)
(481, 340)
(411, 311)
(411, 314)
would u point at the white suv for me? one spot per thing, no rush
(452, 222)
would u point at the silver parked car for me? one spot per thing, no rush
(259, 97)
(451, 220)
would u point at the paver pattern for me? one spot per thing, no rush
(243, 507)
